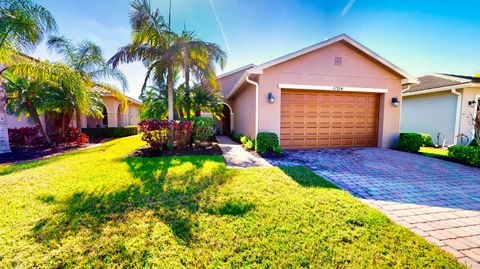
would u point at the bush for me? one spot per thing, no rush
(161, 134)
(23, 136)
(236, 137)
(474, 143)
(72, 135)
(108, 132)
(465, 154)
(427, 140)
(409, 142)
(247, 142)
(203, 128)
(267, 142)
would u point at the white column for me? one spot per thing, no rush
(4, 144)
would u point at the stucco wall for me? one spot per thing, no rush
(243, 105)
(317, 68)
(430, 114)
(466, 127)
(133, 114)
(14, 122)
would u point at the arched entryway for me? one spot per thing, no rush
(121, 116)
(226, 123)
(93, 122)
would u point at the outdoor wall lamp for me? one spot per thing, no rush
(472, 103)
(395, 101)
(271, 98)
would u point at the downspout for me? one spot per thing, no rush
(247, 79)
(457, 115)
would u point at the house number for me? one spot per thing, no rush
(337, 88)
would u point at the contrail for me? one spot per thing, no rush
(347, 8)
(220, 25)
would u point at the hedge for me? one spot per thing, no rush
(267, 142)
(410, 142)
(465, 154)
(427, 140)
(203, 128)
(107, 132)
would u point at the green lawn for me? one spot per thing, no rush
(434, 152)
(96, 208)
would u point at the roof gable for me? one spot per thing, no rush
(438, 82)
(407, 79)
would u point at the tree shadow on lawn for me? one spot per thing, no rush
(170, 186)
(306, 177)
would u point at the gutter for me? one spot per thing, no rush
(457, 115)
(247, 79)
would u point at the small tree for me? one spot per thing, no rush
(476, 127)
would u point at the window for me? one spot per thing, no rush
(338, 61)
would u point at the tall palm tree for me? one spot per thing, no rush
(87, 58)
(23, 25)
(199, 58)
(152, 43)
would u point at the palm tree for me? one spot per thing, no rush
(87, 58)
(200, 59)
(23, 25)
(152, 43)
(38, 86)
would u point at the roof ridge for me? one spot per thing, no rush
(451, 77)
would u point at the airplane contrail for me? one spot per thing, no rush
(220, 25)
(347, 8)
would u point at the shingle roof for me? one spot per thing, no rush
(436, 80)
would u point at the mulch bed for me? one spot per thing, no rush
(210, 148)
(20, 154)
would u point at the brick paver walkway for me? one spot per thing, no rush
(437, 199)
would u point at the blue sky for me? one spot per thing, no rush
(420, 36)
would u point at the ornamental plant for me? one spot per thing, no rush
(162, 134)
(203, 128)
(267, 142)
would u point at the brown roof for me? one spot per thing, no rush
(436, 80)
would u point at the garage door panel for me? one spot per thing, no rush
(322, 119)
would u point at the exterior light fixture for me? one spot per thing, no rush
(271, 98)
(472, 103)
(395, 101)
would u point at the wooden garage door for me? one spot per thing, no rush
(327, 119)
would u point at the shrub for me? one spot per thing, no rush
(23, 136)
(427, 140)
(236, 137)
(72, 135)
(203, 128)
(250, 144)
(277, 149)
(267, 142)
(409, 142)
(108, 132)
(465, 154)
(161, 134)
(474, 143)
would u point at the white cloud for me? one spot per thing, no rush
(347, 8)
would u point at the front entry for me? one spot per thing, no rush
(226, 124)
(328, 119)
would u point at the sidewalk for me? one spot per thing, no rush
(236, 156)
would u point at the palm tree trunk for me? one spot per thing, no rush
(78, 120)
(38, 123)
(187, 86)
(170, 92)
(4, 143)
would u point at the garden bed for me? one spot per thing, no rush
(210, 148)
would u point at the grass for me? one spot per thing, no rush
(96, 208)
(434, 152)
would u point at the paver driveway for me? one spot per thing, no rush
(437, 199)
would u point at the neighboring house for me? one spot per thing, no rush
(114, 116)
(336, 93)
(442, 105)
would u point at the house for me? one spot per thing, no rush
(334, 94)
(113, 116)
(442, 105)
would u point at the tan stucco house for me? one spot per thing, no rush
(113, 116)
(442, 105)
(336, 93)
